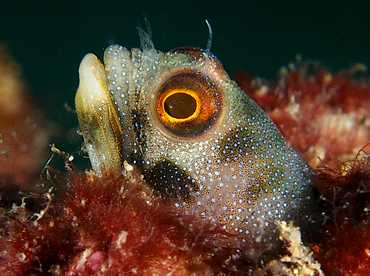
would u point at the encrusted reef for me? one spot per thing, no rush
(81, 223)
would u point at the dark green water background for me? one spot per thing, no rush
(49, 38)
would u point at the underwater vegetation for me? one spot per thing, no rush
(327, 118)
(216, 189)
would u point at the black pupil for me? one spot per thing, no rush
(180, 105)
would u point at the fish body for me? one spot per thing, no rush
(200, 142)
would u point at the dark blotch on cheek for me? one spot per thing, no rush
(170, 181)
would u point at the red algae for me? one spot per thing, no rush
(23, 135)
(345, 247)
(325, 116)
(110, 226)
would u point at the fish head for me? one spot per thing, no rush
(202, 144)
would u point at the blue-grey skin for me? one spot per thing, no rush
(228, 164)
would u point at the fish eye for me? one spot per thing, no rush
(188, 103)
(181, 104)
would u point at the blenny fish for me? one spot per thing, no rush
(200, 142)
